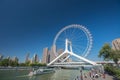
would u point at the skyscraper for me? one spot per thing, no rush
(116, 44)
(1, 57)
(27, 57)
(35, 58)
(52, 53)
(15, 59)
(45, 55)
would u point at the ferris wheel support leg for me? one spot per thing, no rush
(82, 58)
(55, 59)
(66, 58)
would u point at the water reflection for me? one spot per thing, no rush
(62, 74)
(41, 77)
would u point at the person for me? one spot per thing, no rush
(90, 74)
(96, 75)
(81, 77)
(78, 78)
(104, 75)
(85, 75)
(93, 75)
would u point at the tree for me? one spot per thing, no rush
(22, 64)
(106, 52)
(5, 62)
(16, 61)
(109, 54)
(27, 63)
(116, 56)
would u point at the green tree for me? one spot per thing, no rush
(27, 63)
(109, 54)
(116, 56)
(16, 61)
(106, 52)
(5, 62)
(37, 64)
(22, 64)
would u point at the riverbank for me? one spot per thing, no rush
(15, 68)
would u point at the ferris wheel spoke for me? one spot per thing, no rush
(65, 32)
(78, 35)
(78, 50)
(80, 47)
(73, 32)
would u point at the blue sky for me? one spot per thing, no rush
(29, 26)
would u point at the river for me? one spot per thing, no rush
(60, 74)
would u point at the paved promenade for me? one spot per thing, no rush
(102, 77)
(107, 77)
(88, 75)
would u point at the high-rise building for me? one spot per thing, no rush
(60, 51)
(45, 55)
(15, 59)
(40, 61)
(116, 44)
(27, 57)
(48, 57)
(1, 57)
(52, 53)
(35, 58)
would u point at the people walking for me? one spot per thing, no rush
(90, 74)
(81, 77)
(104, 75)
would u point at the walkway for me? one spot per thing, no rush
(94, 75)
(107, 77)
(88, 76)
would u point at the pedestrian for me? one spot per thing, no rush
(85, 75)
(81, 77)
(78, 78)
(104, 75)
(90, 74)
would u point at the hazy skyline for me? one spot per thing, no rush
(30, 26)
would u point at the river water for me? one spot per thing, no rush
(60, 74)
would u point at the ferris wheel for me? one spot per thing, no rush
(78, 35)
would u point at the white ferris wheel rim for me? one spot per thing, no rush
(85, 30)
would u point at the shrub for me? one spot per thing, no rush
(112, 70)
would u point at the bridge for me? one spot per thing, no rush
(72, 64)
(83, 61)
(106, 62)
(81, 64)
(68, 50)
